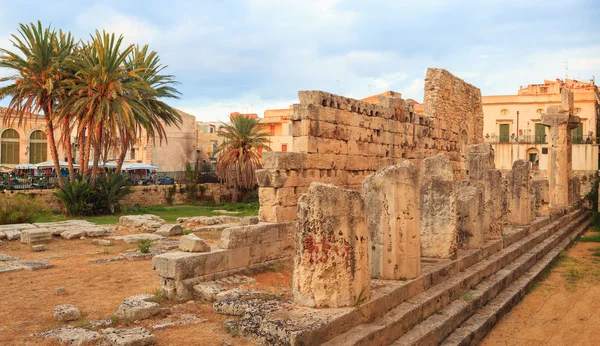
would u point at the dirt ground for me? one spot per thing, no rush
(561, 309)
(98, 289)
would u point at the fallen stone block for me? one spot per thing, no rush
(5, 268)
(72, 336)
(95, 232)
(207, 290)
(129, 337)
(148, 222)
(191, 243)
(102, 242)
(73, 233)
(36, 236)
(249, 220)
(17, 227)
(138, 308)
(169, 230)
(38, 248)
(12, 234)
(33, 265)
(4, 258)
(66, 313)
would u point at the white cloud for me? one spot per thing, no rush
(386, 81)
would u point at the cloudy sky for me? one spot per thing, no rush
(256, 54)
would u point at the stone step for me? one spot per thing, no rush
(440, 325)
(474, 329)
(403, 315)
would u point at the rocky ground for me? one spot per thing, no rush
(562, 309)
(104, 291)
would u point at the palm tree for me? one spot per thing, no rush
(39, 66)
(239, 154)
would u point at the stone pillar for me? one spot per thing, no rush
(331, 265)
(560, 122)
(392, 204)
(574, 192)
(469, 210)
(481, 171)
(518, 196)
(438, 208)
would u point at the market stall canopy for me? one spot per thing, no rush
(25, 166)
(50, 164)
(136, 166)
(103, 164)
(6, 169)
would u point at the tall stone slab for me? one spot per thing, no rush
(331, 265)
(518, 197)
(438, 208)
(560, 122)
(481, 171)
(393, 218)
(469, 210)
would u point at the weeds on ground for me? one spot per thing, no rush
(595, 251)
(159, 297)
(187, 231)
(590, 239)
(361, 298)
(144, 245)
(114, 320)
(469, 295)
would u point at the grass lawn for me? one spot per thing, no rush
(168, 213)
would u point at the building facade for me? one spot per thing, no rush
(512, 123)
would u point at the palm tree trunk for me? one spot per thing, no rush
(122, 154)
(86, 156)
(53, 150)
(97, 152)
(67, 138)
(81, 141)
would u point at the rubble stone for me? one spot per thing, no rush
(439, 228)
(38, 248)
(138, 307)
(168, 230)
(129, 337)
(331, 266)
(66, 313)
(393, 217)
(147, 222)
(73, 233)
(207, 290)
(102, 242)
(72, 336)
(191, 243)
(59, 291)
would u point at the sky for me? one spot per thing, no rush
(253, 55)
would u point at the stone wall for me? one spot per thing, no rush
(341, 141)
(143, 196)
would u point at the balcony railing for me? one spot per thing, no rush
(539, 139)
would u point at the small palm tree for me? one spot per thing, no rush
(39, 71)
(239, 154)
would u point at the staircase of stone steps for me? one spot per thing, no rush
(462, 307)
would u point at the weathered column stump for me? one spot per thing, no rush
(470, 213)
(520, 210)
(331, 264)
(393, 218)
(438, 208)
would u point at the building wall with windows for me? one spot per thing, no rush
(279, 125)
(522, 136)
(26, 143)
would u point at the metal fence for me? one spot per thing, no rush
(531, 139)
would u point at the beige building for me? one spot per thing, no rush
(28, 144)
(512, 123)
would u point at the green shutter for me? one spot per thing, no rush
(577, 134)
(504, 133)
(540, 131)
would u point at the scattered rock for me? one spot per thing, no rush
(38, 248)
(178, 319)
(169, 230)
(72, 336)
(231, 294)
(249, 220)
(134, 238)
(182, 219)
(2, 236)
(82, 238)
(235, 280)
(129, 337)
(4, 258)
(208, 290)
(138, 308)
(66, 313)
(5, 268)
(73, 233)
(168, 243)
(148, 222)
(109, 259)
(101, 242)
(191, 243)
(59, 291)
(33, 265)
(102, 323)
(140, 256)
(95, 232)
(12, 234)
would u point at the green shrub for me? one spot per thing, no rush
(144, 245)
(80, 198)
(251, 197)
(592, 196)
(20, 208)
(76, 197)
(171, 194)
(191, 189)
(110, 190)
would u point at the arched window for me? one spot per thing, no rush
(38, 147)
(9, 148)
(577, 110)
(504, 111)
(539, 111)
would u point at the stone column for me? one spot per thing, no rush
(469, 209)
(331, 264)
(392, 202)
(519, 203)
(481, 171)
(438, 208)
(560, 122)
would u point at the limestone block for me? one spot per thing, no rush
(492, 198)
(469, 209)
(73, 336)
(38, 248)
(191, 243)
(249, 220)
(148, 222)
(129, 337)
(331, 265)
(237, 237)
(168, 230)
(283, 160)
(518, 194)
(480, 158)
(207, 290)
(73, 233)
(36, 236)
(12, 234)
(138, 307)
(393, 218)
(186, 265)
(95, 232)
(439, 229)
(540, 193)
(66, 313)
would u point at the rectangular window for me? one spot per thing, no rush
(37, 152)
(577, 134)
(10, 152)
(272, 128)
(540, 134)
(132, 154)
(284, 148)
(504, 133)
